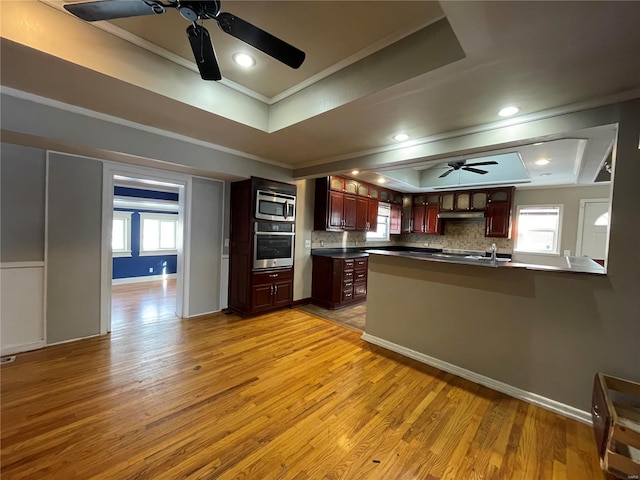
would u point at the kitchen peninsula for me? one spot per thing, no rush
(512, 327)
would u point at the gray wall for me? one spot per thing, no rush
(73, 247)
(304, 225)
(206, 246)
(22, 203)
(546, 333)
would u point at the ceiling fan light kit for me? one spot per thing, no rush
(198, 36)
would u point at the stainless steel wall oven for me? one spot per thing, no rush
(273, 245)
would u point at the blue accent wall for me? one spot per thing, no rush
(136, 265)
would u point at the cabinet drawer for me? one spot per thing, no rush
(347, 295)
(271, 276)
(361, 275)
(360, 290)
(348, 276)
(348, 264)
(361, 263)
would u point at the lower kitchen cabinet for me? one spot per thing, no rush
(338, 282)
(271, 289)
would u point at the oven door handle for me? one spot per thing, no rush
(275, 233)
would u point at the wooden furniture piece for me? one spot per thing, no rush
(425, 214)
(343, 204)
(615, 410)
(338, 282)
(252, 292)
(498, 212)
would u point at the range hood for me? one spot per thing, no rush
(462, 215)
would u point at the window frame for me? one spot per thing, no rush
(160, 217)
(126, 217)
(373, 236)
(558, 232)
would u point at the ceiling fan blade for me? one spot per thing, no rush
(111, 9)
(446, 173)
(203, 52)
(474, 170)
(263, 41)
(478, 164)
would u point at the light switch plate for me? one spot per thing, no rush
(307, 244)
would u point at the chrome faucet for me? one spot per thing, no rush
(493, 249)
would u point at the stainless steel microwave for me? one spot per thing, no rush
(274, 206)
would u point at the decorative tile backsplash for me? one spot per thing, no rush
(458, 234)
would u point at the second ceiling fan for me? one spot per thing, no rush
(198, 35)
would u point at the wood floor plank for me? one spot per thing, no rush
(285, 395)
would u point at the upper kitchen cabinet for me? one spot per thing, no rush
(425, 214)
(478, 200)
(395, 219)
(345, 185)
(334, 210)
(498, 212)
(366, 214)
(447, 202)
(407, 201)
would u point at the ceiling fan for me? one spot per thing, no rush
(198, 35)
(463, 165)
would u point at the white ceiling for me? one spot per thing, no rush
(372, 69)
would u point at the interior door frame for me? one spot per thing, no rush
(110, 169)
(583, 204)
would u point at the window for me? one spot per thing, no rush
(121, 234)
(539, 229)
(158, 234)
(602, 220)
(382, 230)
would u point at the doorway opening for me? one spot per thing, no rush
(144, 215)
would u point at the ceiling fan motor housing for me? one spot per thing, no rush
(193, 11)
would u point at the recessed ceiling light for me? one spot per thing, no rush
(244, 60)
(542, 161)
(546, 174)
(508, 111)
(401, 137)
(355, 172)
(538, 144)
(381, 180)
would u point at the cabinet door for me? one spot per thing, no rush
(432, 224)
(282, 293)
(406, 213)
(362, 213)
(395, 219)
(336, 183)
(261, 297)
(433, 199)
(446, 202)
(463, 201)
(336, 210)
(498, 196)
(350, 186)
(497, 217)
(417, 219)
(372, 215)
(349, 213)
(384, 195)
(363, 189)
(478, 200)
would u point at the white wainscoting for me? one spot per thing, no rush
(224, 282)
(21, 307)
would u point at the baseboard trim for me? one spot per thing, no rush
(24, 347)
(302, 301)
(198, 315)
(529, 397)
(146, 278)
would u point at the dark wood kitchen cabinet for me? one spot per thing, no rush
(338, 282)
(407, 208)
(271, 289)
(425, 214)
(366, 214)
(253, 291)
(498, 212)
(337, 211)
(395, 219)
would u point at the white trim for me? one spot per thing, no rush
(121, 254)
(529, 397)
(126, 217)
(583, 203)
(46, 247)
(148, 278)
(12, 92)
(158, 253)
(22, 265)
(25, 347)
(558, 243)
(73, 340)
(203, 314)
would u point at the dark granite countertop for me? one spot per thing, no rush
(358, 252)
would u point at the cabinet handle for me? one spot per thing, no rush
(273, 275)
(595, 412)
(271, 290)
(275, 289)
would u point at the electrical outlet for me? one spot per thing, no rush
(150, 269)
(307, 244)
(567, 253)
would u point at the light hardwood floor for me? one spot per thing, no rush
(281, 396)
